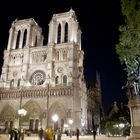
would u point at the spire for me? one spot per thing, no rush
(98, 81)
(71, 10)
(115, 107)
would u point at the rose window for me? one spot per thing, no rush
(38, 78)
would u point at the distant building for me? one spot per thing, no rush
(117, 107)
(95, 111)
(44, 79)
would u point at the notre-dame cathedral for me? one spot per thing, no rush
(43, 79)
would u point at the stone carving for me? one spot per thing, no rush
(133, 80)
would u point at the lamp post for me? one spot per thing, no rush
(47, 115)
(21, 112)
(70, 122)
(55, 119)
(83, 124)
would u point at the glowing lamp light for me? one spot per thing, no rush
(82, 123)
(66, 125)
(55, 117)
(22, 112)
(121, 125)
(70, 121)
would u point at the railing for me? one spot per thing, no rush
(35, 92)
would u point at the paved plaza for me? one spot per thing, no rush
(4, 137)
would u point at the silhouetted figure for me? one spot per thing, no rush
(22, 134)
(14, 134)
(94, 134)
(70, 133)
(58, 133)
(40, 134)
(77, 133)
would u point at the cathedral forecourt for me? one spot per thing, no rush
(44, 79)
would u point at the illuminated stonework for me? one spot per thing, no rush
(38, 78)
(43, 79)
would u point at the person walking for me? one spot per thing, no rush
(22, 134)
(40, 134)
(50, 134)
(77, 133)
(94, 133)
(58, 134)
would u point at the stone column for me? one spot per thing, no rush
(50, 40)
(14, 40)
(134, 105)
(28, 36)
(10, 38)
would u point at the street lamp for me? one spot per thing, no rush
(83, 124)
(55, 119)
(70, 122)
(21, 112)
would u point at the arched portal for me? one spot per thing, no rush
(59, 109)
(33, 117)
(7, 117)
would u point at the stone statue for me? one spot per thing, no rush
(133, 80)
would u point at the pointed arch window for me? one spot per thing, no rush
(59, 34)
(66, 33)
(11, 125)
(31, 125)
(14, 59)
(64, 79)
(18, 85)
(6, 124)
(35, 41)
(64, 55)
(22, 59)
(36, 124)
(18, 39)
(56, 80)
(12, 83)
(24, 38)
(57, 55)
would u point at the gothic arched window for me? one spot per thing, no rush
(66, 33)
(24, 38)
(59, 34)
(64, 55)
(18, 40)
(35, 41)
(14, 59)
(31, 125)
(18, 85)
(22, 59)
(36, 124)
(12, 83)
(57, 55)
(64, 79)
(56, 80)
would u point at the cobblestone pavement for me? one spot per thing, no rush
(5, 137)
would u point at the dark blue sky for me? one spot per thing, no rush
(99, 21)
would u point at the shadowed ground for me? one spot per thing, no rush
(5, 137)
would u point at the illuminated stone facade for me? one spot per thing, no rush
(43, 79)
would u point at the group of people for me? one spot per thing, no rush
(15, 134)
(49, 134)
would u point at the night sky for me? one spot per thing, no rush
(99, 21)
